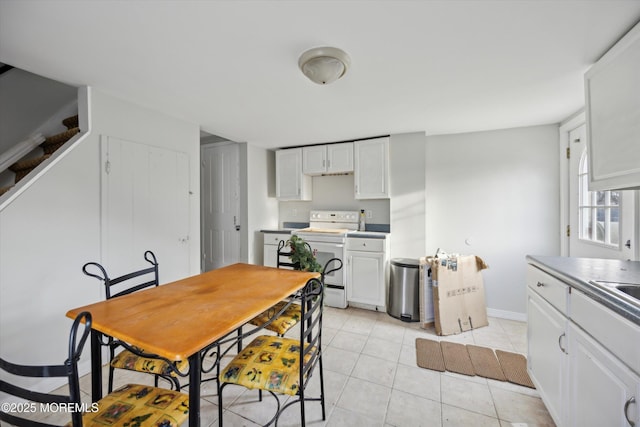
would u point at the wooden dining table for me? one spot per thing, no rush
(181, 319)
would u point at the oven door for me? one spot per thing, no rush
(335, 294)
(324, 252)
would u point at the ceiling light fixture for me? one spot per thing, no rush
(324, 65)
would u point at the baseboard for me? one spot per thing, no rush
(509, 315)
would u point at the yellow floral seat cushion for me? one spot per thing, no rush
(128, 360)
(136, 405)
(267, 363)
(288, 319)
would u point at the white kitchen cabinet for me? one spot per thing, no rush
(371, 168)
(291, 183)
(366, 272)
(583, 357)
(271, 241)
(603, 392)
(612, 87)
(330, 158)
(546, 361)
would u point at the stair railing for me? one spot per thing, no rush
(19, 150)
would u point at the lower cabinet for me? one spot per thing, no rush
(366, 272)
(582, 357)
(602, 391)
(547, 361)
(270, 254)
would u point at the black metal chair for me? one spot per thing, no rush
(129, 405)
(132, 358)
(284, 366)
(283, 316)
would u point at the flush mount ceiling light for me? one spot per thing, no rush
(324, 65)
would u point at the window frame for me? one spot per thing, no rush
(590, 203)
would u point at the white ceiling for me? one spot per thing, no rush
(231, 66)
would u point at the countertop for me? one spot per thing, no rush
(278, 231)
(577, 272)
(360, 234)
(368, 234)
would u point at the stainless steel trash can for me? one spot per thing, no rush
(403, 301)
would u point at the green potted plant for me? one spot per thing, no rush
(302, 255)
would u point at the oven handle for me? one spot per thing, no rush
(334, 286)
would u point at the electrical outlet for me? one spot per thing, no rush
(369, 213)
(294, 212)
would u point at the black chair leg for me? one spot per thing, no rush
(302, 406)
(322, 388)
(220, 402)
(110, 389)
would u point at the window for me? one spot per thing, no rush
(599, 211)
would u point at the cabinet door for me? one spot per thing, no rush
(290, 183)
(612, 109)
(340, 158)
(314, 160)
(270, 249)
(365, 278)
(603, 391)
(546, 339)
(371, 168)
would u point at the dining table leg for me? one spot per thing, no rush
(96, 365)
(195, 376)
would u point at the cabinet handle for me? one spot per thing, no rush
(626, 410)
(329, 164)
(560, 343)
(539, 284)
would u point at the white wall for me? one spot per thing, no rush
(262, 206)
(407, 186)
(53, 227)
(496, 195)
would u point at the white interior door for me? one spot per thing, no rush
(602, 223)
(220, 176)
(145, 204)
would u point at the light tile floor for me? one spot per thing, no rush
(372, 379)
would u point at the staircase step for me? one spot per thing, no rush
(54, 142)
(5, 189)
(71, 122)
(23, 167)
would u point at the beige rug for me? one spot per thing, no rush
(473, 360)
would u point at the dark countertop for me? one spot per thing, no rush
(578, 272)
(368, 234)
(361, 234)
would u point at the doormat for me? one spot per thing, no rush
(473, 360)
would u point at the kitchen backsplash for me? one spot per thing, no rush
(334, 193)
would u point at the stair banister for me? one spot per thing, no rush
(16, 152)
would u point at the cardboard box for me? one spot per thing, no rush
(458, 293)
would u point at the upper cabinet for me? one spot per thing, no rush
(331, 158)
(371, 168)
(612, 95)
(291, 183)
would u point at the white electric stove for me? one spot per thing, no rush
(326, 234)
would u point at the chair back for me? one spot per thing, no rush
(127, 283)
(284, 256)
(48, 402)
(312, 297)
